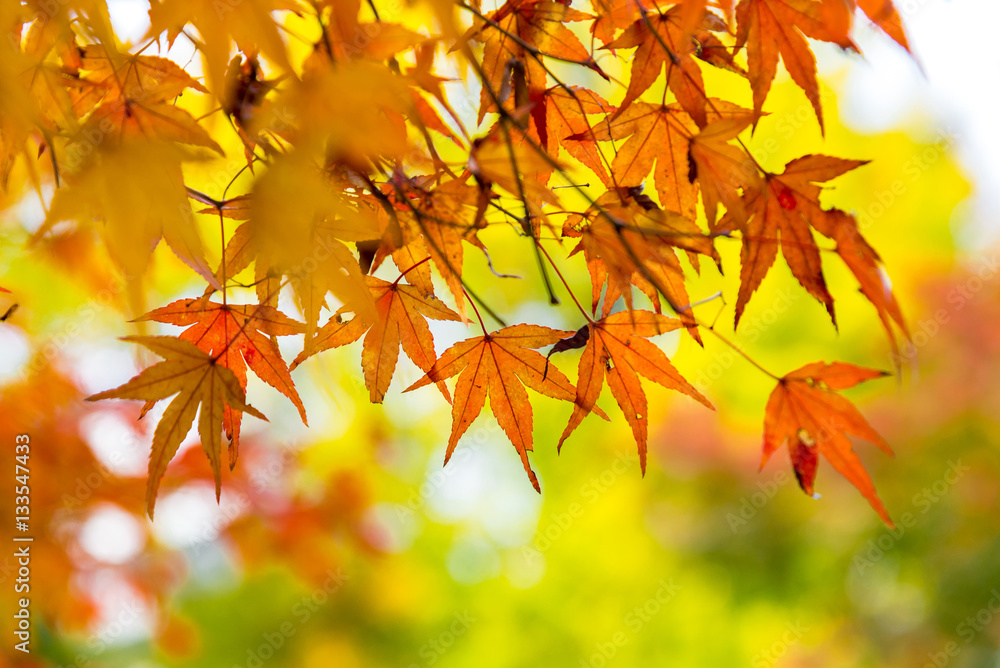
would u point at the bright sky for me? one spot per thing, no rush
(956, 93)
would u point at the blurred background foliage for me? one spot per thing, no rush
(347, 544)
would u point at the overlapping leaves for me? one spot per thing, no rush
(359, 152)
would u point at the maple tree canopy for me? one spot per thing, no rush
(360, 156)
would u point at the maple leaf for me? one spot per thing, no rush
(197, 380)
(562, 113)
(54, 90)
(249, 23)
(500, 365)
(883, 14)
(435, 221)
(298, 224)
(712, 50)
(773, 28)
(617, 348)
(864, 262)
(138, 190)
(804, 411)
(666, 136)
(724, 171)
(382, 38)
(129, 118)
(664, 39)
(537, 23)
(612, 16)
(236, 336)
(783, 211)
(506, 157)
(133, 94)
(627, 241)
(150, 78)
(401, 320)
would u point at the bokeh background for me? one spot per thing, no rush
(348, 544)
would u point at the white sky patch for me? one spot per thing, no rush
(191, 515)
(112, 535)
(130, 19)
(954, 94)
(14, 352)
(101, 367)
(484, 484)
(117, 445)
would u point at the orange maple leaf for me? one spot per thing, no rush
(150, 77)
(537, 23)
(782, 211)
(617, 347)
(628, 241)
(723, 171)
(500, 365)
(432, 221)
(665, 40)
(401, 320)
(612, 16)
(197, 379)
(683, 154)
(134, 94)
(507, 158)
(804, 411)
(865, 263)
(770, 28)
(236, 336)
(883, 14)
(562, 113)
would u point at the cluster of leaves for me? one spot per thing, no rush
(267, 519)
(358, 156)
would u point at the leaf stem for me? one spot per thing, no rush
(222, 233)
(476, 309)
(411, 268)
(738, 350)
(565, 283)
